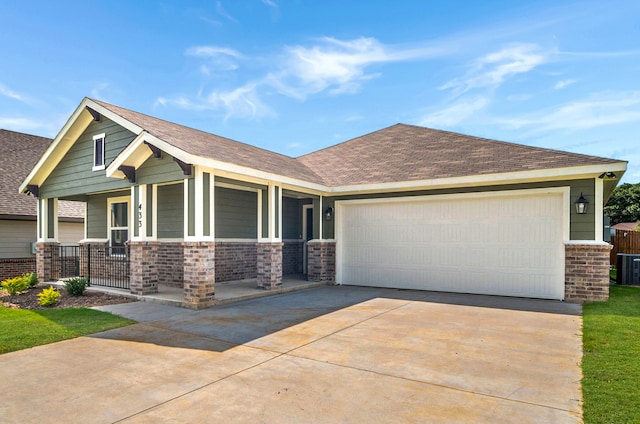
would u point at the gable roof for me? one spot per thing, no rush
(203, 144)
(411, 153)
(18, 154)
(400, 157)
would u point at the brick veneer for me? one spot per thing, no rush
(171, 264)
(143, 267)
(269, 273)
(292, 257)
(586, 271)
(12, 267)
(236, 261)
(199, 274)
(321, 261)
(46, 254)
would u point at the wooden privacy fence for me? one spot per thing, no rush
(624, 241)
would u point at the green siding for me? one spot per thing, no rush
(149, 219)
(206, 203)
(291, 218)
(137, 222)
(159, 170)
(236, 213)
(582, 227)
(316, 223)
(191, 208)
(74, 174)
(277, 210)
(51, 219)
(171, 211)
(97, 214)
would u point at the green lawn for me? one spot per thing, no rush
(22, 329)
(611, 361)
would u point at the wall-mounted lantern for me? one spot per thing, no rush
(328, 213)
(581, 204)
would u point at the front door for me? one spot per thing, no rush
(307, 232)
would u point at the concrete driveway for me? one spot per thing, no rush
(332, 354)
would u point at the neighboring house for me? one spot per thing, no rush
(405, 207)
(626, 226)
(18, 154)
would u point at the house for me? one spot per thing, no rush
(405, 207)
(626, 226)
(18, 154)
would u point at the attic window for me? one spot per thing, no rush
(98, 152)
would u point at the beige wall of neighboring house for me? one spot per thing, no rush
(17, 237)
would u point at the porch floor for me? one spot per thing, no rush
(226, 292)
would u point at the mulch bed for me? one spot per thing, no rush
(29, 299)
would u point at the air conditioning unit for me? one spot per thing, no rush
(628, 269)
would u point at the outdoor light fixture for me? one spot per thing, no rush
(328, 213)
(581, 204)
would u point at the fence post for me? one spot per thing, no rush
(89, 264)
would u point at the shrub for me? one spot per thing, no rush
(48, 297)
(15, 285)
(75, 286)
(31, 277)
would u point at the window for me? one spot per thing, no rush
(98, 152)
(118, 222)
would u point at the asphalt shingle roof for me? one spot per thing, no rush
(19, 152)
(394, 154)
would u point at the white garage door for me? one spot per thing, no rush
(504, 243)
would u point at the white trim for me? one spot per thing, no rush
(198, 202)
(185, 208)
(599, 209)
(279, 217)
(320, 218)
(586, 242)
(237, 187)
(94, 240)
(212, 206)
(97, 137)
(259, 215)
(154, 211)
(135, 154)
(236, 240)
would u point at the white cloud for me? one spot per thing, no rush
(22, 124)
(601, 109)
(212, 51)
(242, 102)
(335, 65)
(222, 12)
(7, 92)
(456, 113)
(564, 83)
(493, 69)
(218, 58)
(270, 3)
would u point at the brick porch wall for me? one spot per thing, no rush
(143, 257)
(321, 261)
(586, 272)
(46, 254)
(236, 261)
(199, 274)
(171, 264)
(269, 265)
(13, 267)
(292, 257)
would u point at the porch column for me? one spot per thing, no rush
(586, 271)
(199, 246)
(321, 257)
(47, 246)
(143, 260)
(269, 251)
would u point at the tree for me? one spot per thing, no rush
(624, 204)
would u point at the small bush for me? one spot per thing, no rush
(48, 297)
(75, 286)
(15, 285)
(31, 277)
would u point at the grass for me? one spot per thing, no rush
(22, 328)
(612, 273)
(611, 361)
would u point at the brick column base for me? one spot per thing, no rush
(586, 271)
(321, 261)
(199, 274)
(269, 272)
(143, 259)
(47, 259)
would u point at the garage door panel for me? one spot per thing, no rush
(506, 245)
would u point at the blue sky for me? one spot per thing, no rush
(297, 76)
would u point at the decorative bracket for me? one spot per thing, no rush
(186, 167)
(33, 189)
(96, 115)
(129, 172)
(157, 153)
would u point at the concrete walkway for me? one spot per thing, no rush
(331, 354)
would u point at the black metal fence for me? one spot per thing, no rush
(101, 265)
